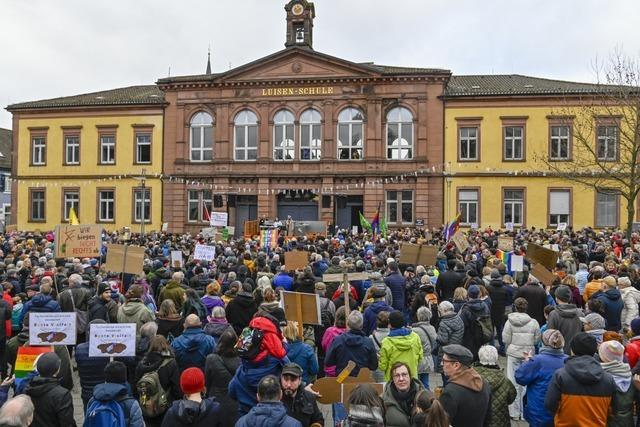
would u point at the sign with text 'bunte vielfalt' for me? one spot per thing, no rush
(52, 328)
(112, 340)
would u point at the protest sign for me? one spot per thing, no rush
(26, 359)
(517, 262)
(461, 241)
(508, 226)
(302, 307)
(176, 259)
(204, 253)
(165, 226)
(419, 222)
(425, 255)
(562, 226)
(354, 229)
(543, 275)
(339, 389)
(251, 228)
(474, 225)
(219, 219)
(112, 340)
(296, 260)
(208, 232)
(125, 259)
(505, 243)
(78, 241)
(538, 254)
(52, 328)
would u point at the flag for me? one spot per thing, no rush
(363, 222)
(375, 223)
(452, 227)
(505, 258)
(269, 238)
(73, 218)
(205, 212)
(383, 226)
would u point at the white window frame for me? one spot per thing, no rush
(38, 147)
(399, 201)
(558, 140)
(467, 139)
(143, 139)
(558, 217)
(137, 205)
(402, 118)
(285, 149)
(346, 118)
(613, 206)
(107, 146)
(200, 123)
(107, 202)
(70, 202)
(606, 141)
(513, 140)
(7, 184)
(241, 126)
(310, 123)
(513, 202)
(72, 149)
(466, 204)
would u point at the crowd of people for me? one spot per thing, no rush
(214, 346)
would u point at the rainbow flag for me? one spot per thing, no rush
(452, 227)
(26, 359)
(505, 257)
(375, 223)
(269, 238)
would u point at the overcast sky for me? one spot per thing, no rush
(58, 48)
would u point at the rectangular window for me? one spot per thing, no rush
(513, 142)
(143, 147)
(468, 143)
(607, 142)
(606, 209)
(559, 207)
(399, 207)
(70, 199)
(196, 202)
(513, 206)
(71, 149)
(141, 205)
(310, 141)
(5, 184)
(560, 142)
(37, 205)
(38, 150)
(107, 149)
(106, 205)
(468, 206)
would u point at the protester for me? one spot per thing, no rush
(370, 314)
(472, 313)
(500, 300)
(101, 306)
(193, 346)
(173, 291)
(300, 403)
(269, 411)
(536, 298)
(300, 353)
(611, 359)
(612, 303)
(366, 407)
(401, 345)
(193, 410)
(631, 299)
(170, 322)
(566, 317)
(399, 395)
(594, 324)
(134, 310)
(241, 309)
(632, 349)
(353, 345)
(90, 369)
(220, 367)
(428, 335)
(17, 412)
(503, 392)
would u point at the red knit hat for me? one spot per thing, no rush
(192, 381)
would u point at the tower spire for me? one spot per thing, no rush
(209, 60)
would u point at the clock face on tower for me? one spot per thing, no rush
(297, 9)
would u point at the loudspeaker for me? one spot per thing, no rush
(231, 200)
(217, 201)
(326, 202)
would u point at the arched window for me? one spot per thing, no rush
(283, 144)
(201, 137)
(245, 136)
(350, 138)
(310, 135)
(399, 134)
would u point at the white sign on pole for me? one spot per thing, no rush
(219, 219)
(176, 259)
(508, 226)
(517, 262)
(52, 328)
(204, 253)
(474, 226)
(562, 226)
(112, 340)
(165, 226)
(354, 229)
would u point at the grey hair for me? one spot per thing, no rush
(178, 276)
(355, 321)
(218, 312)
(149, 329)
(488, 355)
(624, 281)
(17, 411)
(423, 314)
(74, 280)
(445, 307)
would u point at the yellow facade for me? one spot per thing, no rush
(492, 176)
(91, 177)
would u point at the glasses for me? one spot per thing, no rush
(402, 375)
(448, 361)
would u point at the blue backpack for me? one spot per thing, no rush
(105, 414)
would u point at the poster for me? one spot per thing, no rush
(208, 232)
(125, 259)
(508, 226)
(165, 227)
(78, 241)
(204, 253)
(354, 229)
(26, 359)
(517, 262)
(112, 340)
(562, 226)
(544, 256)
(52, 328)
(425, 255)
(296, 260)
(474, 225)
(176, 259)
(541, 273)
(505, 243)
(219, 219)
(461, 241)
(419, 222)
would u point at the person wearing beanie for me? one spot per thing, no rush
(584, 388)
(53, 403)
(500, 299)
(134, 310)
(593, 324)
(471, 313)
(566, 317)
(115, 388)
(449, 281)
(101, 306)
(632, 349)
(397, 284)
(611, 359)
(536, 298)
(503, 392)
(193, 410)
(401, 345)
(630, 299)
(536, 373)
(612, 303)
(352, 345)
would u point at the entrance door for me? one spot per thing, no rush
(347, 210)
(246, 210)
(300, 206)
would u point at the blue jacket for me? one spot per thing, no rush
(283, 280)
(106, 392)
(271, 414)
(244, 384)
(352, 345)
(613, 305)
(396, 282)
(303, 354)
(371, 315)
(536, 374)
(90, 370)
(188, 413)
(40, 303)
(192, 348)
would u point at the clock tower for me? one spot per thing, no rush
(300, 14)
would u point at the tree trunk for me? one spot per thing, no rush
(631, 213)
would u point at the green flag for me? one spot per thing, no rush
(383, 226)
(364, 223)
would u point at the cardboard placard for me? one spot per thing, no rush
(505, 243)
(52, 328)
(204, 253)
(296, 260)
(26, 359)
(78, 241)
(10, 228)
(543, 275)
(544, 256)
(425, 255)
(125, 259)
(112, 340)
(251, 228)
(176, 259)
(461, 241)
(219, 219)
(338, 389)
(301, 307)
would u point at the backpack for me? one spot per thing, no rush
(326, 316)
(249, 343)
(105, 414)
(153, 397)
(482, 329)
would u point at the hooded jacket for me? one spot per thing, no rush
(352, 345)
(188, 413)
(101, 309)
(450, 331)
(401, 345)
(134, 311)
(630, 299)
(168, 373)
(106, 392)
(503, 393)
(271, 339)
(566, 319)
(53, 403)
(192, 348)
(613, 306)
(395, 415)
(632, 351)
(472, 310)
(521, 334)
(174, 292)
(580, 393)
(466, 399)
(40, 303)
(500, 298)
(211, 301)
(90, 370)
(240, 310)
(305, 356)
(268, 414)
(370, 315)
(244, 385)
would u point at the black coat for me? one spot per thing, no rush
(303, 407)
(536, 298)
(500, 298)
(53, 403)
(218, 372)
(169, 379)
(100, 309)
(240, 311)
(166, 325)
(90, 370)
(466, 406)
(447, 283)
(187, 413)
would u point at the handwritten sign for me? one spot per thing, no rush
(219, 219)
(461, 241)
(26, 359)
(78, 240)
(544, 256)
(562, 226)
(125, 259)
(505, 243)
(424, 255)
(112, 340)
(296, 260)
(543, 275)
(208, 232)
(204, 253)
(508, 226)
(52, 328)
(176, 259)
(165, 227)
(517, 262)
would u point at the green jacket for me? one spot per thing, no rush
(134, 311)
(174, 292)
(406, 348)
(394, 415)
(503, 393)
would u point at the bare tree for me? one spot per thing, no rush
(604, 122)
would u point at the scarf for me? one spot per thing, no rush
(405, 399)
(621, 373)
